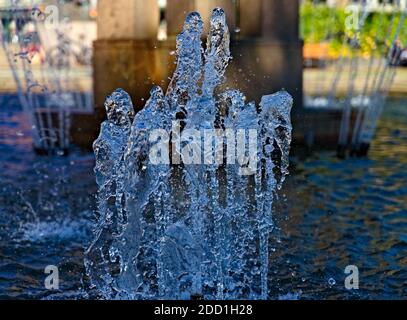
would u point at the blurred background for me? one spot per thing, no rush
(344, 62)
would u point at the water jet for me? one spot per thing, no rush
(177, 231)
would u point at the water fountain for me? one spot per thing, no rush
(186, 185)
(41, 56)
(358, 80)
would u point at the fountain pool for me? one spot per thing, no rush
(330, 214)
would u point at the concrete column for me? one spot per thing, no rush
(280, 20)
(126, 55)
(124, 19)
(206, 7)
(250, 18)
(267, 55)
(249, 15)
(175, 14)
(177, 10)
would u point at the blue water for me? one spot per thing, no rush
(330, 214)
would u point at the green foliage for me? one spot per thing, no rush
(319, 23)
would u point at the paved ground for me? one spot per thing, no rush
(321, 80)
(315, 80)
(79, 78)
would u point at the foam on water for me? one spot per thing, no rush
(55, 231)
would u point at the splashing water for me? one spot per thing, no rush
(178, 229)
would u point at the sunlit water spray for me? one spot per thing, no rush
(179, 228)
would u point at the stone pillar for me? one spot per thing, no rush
(267, 53)
(126, 53)
(206, 7)
(280, 20)
(250, 18)
(177, 10)
(241, 14)
(175, 14)
(273, 19)
(124, 19)
(271, 58)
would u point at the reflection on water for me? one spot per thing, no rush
(45, 208)
(331, 214)
(353, 212)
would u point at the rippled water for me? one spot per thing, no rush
(330, 214)
(46, 207)
(353, 212)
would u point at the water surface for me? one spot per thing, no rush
(330, 214)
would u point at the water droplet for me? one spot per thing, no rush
(331, 282)
(160, 240)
